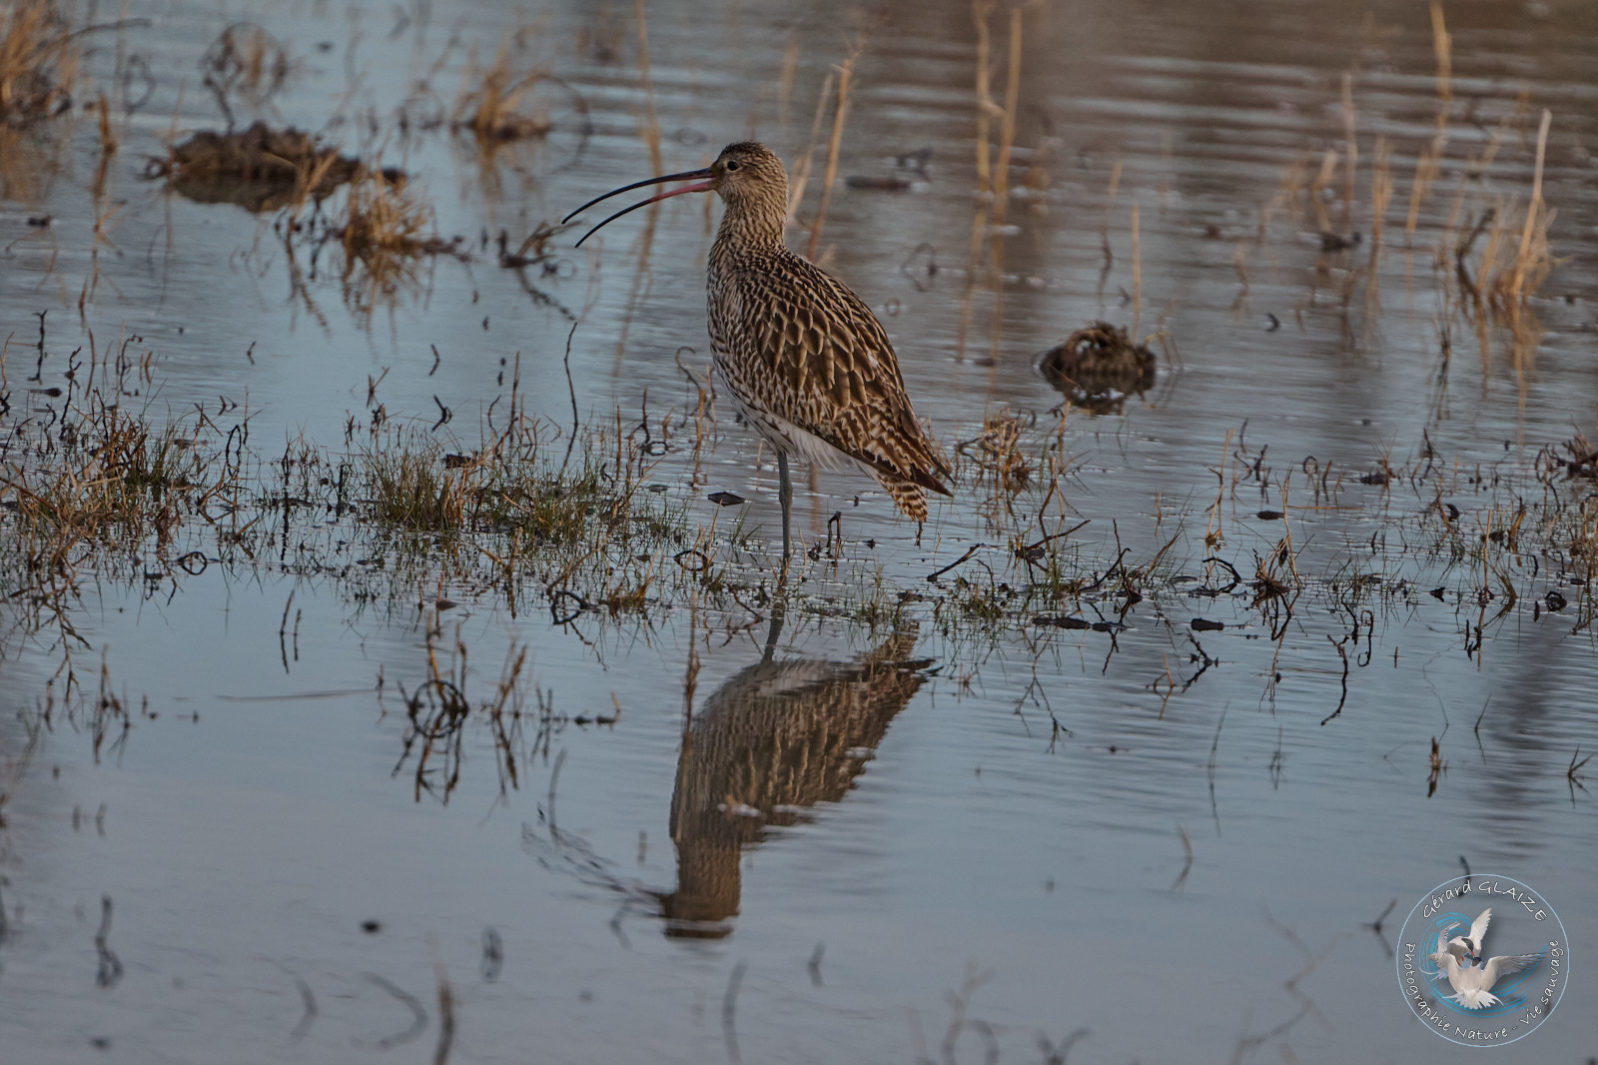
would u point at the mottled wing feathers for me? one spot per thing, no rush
(810, 352)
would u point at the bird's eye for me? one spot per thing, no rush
(732, 164)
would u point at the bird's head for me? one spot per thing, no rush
(748, 171)
(747, 176)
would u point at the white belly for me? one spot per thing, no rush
(782, 434)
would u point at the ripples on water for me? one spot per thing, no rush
(1153, 832)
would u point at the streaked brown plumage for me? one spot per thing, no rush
(808, 364)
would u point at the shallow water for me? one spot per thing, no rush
(1157, 833)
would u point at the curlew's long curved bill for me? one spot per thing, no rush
(704, 184)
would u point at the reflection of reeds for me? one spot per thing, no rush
(1492, 252)
(651, 133)
(246, 61)
(439, 710)
(1381, 196)
(1012, 98)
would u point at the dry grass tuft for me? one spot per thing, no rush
(412, 490)
(997, 453)
(385, 232)
(38, 63)
(493, 105)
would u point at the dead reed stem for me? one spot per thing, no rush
(651, 123)
(1137, 274)
(651, 133)
(1426, 166)
(1012, 93)
(785, 80)
(984, 86)
(1534, 210)
(1351, 146)
(806, 162)
(1443, 45)
(1381, 196)
(840, 114)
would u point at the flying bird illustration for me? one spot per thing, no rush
(1468, 948)
(1473, 985)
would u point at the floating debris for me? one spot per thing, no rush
(1061, 621)
(879, 184)
(1098, 367)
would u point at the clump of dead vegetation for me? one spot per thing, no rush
(494, 104)
(382, 227)
(1580, 459)
(38, 63)
(1098, 367)
(259, 168)
(386, 232)
(996, 452)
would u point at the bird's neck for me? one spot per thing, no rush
(752, 227)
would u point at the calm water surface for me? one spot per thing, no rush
(1152, 833)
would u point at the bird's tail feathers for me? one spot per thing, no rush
(908, 495)
(1474, 999)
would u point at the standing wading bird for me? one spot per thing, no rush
(808, 364)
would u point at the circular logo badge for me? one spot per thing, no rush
(1482, 960)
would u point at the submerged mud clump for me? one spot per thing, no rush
(1098, 366)
(259, 168)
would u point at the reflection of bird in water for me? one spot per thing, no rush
(808, 364)
(1098, 367)
(775, 739)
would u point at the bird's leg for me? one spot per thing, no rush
(785, 496)
(779, 611)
